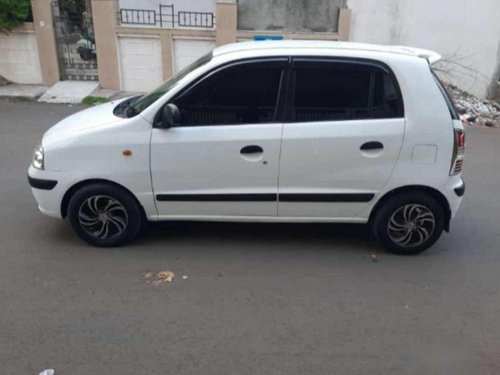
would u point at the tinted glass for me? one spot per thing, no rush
(387, 102)
(337, 91)
(242, 94)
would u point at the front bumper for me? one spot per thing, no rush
(38, 183)
(48, 188)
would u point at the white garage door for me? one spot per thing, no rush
(186, 51)
(141, 64)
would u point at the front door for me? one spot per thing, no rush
(342, 139)
(223, 158)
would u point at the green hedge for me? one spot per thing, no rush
(13, 13)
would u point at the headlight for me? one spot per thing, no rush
(38, 157)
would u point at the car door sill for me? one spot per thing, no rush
(262, 219)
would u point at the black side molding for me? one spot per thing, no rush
(37, 183)
(365, 197)
(341, 197)
(216, 197)
(460, 190)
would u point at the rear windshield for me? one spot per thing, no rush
(449, 102)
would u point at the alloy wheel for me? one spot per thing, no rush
(102, 217)
(411, 225)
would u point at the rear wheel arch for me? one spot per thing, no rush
(73, 189)
(436, 194)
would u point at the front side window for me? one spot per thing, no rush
(339, 91)
(246, 93)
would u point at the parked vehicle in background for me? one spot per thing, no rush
(287, 131)
(86, 49)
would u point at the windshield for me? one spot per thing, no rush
(145, 101)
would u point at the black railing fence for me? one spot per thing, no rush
(167, 17)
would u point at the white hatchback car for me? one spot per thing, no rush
(284, 131)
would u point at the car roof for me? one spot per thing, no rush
(269, 45)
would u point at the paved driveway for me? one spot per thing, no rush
(259, 299)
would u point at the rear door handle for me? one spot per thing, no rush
(252, 149)
(371, 146)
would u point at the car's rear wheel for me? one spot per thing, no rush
(104, 215)
(409, 223)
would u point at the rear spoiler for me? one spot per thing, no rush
(431, 56)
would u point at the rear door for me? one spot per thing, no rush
(223, 159)
(342, 138)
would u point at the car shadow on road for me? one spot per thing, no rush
(176, 235)
(270, 234)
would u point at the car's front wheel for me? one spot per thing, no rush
(409, 223)
(104, 215)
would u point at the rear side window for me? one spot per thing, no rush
(246, 93)
(339, 91)
(451, 106)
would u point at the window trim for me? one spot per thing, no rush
(367, 63)
(455, 115)
(280, 100)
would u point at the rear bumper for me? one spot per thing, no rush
(454, 191)
(460, 190)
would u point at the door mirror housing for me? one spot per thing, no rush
(170, 116)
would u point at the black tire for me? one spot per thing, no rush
(416, 213)
(99, 206)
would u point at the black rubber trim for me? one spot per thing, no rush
(460, 190)
(346, 197)
(217, 197)
(265, 197)
(252, 149)
(371, 146)
(37, 183)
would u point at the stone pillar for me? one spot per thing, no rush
(225, 22)
(166, 54)
(45, 39)
(104, 14)
(344, 24)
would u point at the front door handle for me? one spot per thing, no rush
(252, 149)
(371, 146)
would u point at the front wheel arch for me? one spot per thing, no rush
(73, 189)
(436, 194)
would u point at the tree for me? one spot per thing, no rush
(72, 8)
(13, 13)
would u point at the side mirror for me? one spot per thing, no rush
(170, 116)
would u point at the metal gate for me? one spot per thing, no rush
(74, 33)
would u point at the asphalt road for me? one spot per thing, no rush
(259, 299)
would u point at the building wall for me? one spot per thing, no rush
(289, 15)
(465, 33)
(19, 61)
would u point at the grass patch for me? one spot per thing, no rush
(94, 100)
